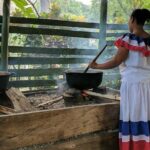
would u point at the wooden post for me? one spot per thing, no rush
(5, 35)
(103, 23)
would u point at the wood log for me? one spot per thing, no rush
(50, 102)
(6, 110)
(20, 102)
(108, 96)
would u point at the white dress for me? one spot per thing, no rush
(134, 127)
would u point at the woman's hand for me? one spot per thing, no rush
(93, 65)
(120, 57)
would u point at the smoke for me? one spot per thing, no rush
(62, 87)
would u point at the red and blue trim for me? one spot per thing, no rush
(128, 44)
(134, 135)
(134, 128)
(134, 145)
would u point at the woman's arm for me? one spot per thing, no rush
(121, 56)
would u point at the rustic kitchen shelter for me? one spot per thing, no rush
(86, 127)
(24, 58)
(16, 58)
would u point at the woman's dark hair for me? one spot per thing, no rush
(141, 16)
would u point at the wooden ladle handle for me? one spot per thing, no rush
(96, 57)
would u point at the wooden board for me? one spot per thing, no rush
(115, 35)
(52, 22)
(43, 60)
(20, 102)
(98, 141)
(33, 83)
(46, 126)
(59, 32)
(58, 51)
(38, 72)
(107, 96)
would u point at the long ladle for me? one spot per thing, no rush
(96, 57)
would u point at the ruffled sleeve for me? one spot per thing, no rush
(133, 43)
(122, 41)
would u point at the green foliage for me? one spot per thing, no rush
(146, 4)
(17, 39)
(72, 7)
(34, 40)
(119, 10)
(23, 9)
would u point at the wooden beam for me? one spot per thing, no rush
(59, 32)
(26, 129)
(115, 35)
(5, 35)
(47, 72)
(117, 27)
(38, 72)
(103, 23)
(33, 83)
(52, 22)
(43, 50)
(43, 60)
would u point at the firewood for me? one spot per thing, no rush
(6, 110)
(50, 102)
(108, 96)
(20, 102)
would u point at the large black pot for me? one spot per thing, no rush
(4, 79)
(80, 80)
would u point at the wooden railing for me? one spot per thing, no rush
(31, 76)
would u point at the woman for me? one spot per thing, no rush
(134, 56)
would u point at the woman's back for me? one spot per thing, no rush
(138, 57)
(137, 66)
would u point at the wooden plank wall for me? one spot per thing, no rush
(27, 56)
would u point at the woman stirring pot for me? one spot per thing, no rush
(134, 56)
